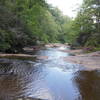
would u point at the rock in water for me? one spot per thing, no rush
(29, 98)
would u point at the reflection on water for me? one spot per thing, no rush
(51, 79)
(88, 83)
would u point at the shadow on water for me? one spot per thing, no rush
(51, 79)
(88, 83)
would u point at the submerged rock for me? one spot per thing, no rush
(29, 98)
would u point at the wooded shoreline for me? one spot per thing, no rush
(77, 56)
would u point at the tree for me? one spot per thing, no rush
(87, 23)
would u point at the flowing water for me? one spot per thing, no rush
(48, 79)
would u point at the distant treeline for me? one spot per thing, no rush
(29, 22)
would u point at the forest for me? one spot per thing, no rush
(32, 22)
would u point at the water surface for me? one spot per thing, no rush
(51, 79)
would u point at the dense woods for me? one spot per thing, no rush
(30, 22)
(87, 24)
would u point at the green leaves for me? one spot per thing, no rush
(24, 22)
(87, 23)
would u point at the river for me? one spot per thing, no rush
(48, 79)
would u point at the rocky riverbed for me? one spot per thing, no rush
(50, 76)
(90, 60)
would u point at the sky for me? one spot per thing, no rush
(68, 7)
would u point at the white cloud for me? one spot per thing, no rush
(67, 6)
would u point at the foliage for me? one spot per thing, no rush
(87, 24)
(63, 24)
(25, 22)
(12, 34)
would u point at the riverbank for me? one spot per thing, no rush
(78, 56)
(22, 56)
(53, 45)
(89, 60)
